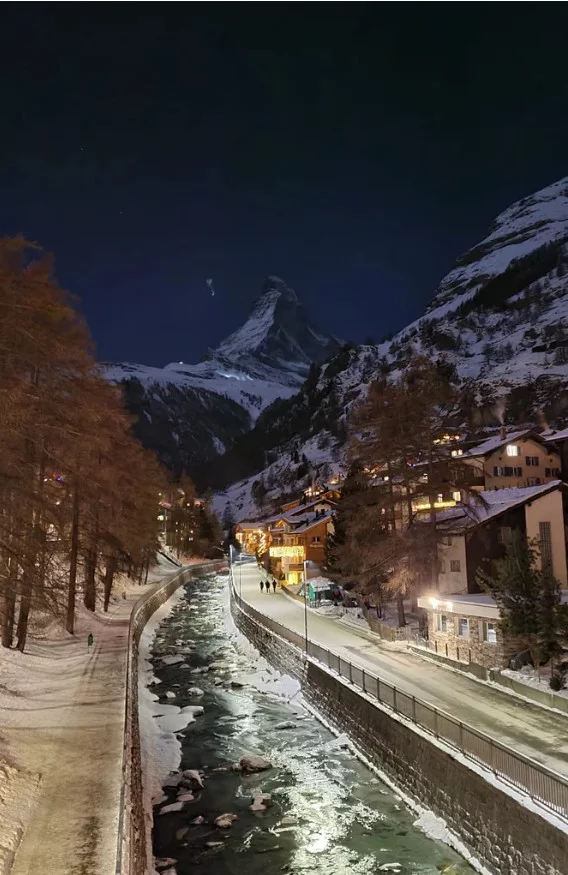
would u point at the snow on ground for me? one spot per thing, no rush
(531, 680)
(526, 727)
(61, 731)
(159, 747)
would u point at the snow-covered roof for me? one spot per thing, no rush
(302, 508)
(309, 521)
(487, 505)
(320, 584)
(553, 436)
(493, 443)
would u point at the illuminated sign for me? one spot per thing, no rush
(278, 552)
(437, 504)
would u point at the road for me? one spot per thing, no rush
(527, 728)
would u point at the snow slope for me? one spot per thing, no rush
(499, 319)
(190, 413)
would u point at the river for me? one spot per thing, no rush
(330, 814)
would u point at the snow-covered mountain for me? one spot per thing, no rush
(188, 413)
(278, 334)
(499, 319)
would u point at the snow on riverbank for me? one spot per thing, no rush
(159, 748)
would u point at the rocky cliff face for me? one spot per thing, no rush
(190, 413)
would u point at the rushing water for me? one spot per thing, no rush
(329, 813)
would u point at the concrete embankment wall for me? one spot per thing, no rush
(505, 836)
(133, 843)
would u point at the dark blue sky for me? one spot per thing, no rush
(353, 149)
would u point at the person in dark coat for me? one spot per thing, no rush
(267, 585)
(274, 584)
(262, 585)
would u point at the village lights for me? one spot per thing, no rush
(279, 552)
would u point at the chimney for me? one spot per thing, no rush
(503, 433)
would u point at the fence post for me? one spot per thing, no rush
(461, 735)
(414, 709)
(394, 699)
(378, 689)
(436, 722)
(350, 673)
(363, 679)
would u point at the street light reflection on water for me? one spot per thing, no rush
(330, 815)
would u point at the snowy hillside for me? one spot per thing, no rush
(499, 319)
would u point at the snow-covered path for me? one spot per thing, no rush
(62, 720)
(68, 727)
(527, 728)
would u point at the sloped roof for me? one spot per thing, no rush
(493, 443)
(556, 436)
(302, 508)
(488, 505)
(310, 521)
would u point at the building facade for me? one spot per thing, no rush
(467, 629)
(514, 459)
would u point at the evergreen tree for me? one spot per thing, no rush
(528, 597)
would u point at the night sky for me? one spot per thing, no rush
(352, 149)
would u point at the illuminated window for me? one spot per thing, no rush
(463, 627)
(513, 450)
(490, 633)
(457, 453)
(456, 496)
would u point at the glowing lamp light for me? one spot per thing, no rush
(434, 603)
(288, 551)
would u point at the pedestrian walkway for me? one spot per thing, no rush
(62, 718)
(527, 728)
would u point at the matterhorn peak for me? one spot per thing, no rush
(278, 333)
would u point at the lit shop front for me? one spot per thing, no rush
(292, 557)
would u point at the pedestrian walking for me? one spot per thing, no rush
(262, 585)
(274, 584)
(267, 585)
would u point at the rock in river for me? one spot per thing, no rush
(225, 821)
(251, 764)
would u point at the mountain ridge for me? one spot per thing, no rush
(264, 360)
(498, 322)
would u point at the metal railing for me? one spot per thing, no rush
(543, 785)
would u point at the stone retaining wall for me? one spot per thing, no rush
(133, 841)
(505, 836)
